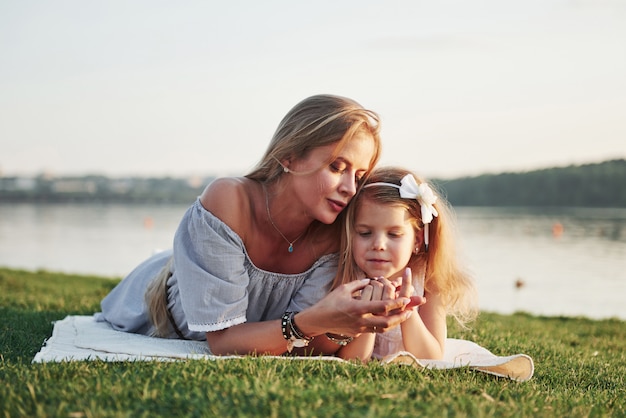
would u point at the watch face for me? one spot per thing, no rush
(300, 343)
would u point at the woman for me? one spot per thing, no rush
(254, 257)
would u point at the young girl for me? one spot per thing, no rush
(399, 232)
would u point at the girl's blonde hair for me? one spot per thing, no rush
(443, 273)
(314, 122)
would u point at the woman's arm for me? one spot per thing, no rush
(337, 313)
(256, 338)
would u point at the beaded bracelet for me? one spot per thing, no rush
(339, 339)
(284, 325)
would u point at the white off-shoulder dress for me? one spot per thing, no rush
(213, 284)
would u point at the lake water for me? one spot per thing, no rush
(568, 262)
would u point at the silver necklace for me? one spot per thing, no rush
(269, 216)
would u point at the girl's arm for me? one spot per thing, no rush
(360, 348)
(424, 333)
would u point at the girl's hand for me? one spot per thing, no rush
(406, 290)
(406, 286)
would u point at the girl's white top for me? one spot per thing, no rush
(390, 342)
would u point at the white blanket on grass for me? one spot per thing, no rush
(83, 338)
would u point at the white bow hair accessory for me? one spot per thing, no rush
(409, 189)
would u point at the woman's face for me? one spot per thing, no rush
(383, 239)
(325, 192)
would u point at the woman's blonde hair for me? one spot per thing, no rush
(314, 122)
(156, 299)
(443, 273)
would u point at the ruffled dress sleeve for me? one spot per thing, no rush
(209, 269)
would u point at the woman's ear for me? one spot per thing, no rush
(285, 163)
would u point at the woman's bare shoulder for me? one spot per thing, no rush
(228, 198)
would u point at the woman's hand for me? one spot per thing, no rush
(340, 313)
(378, 288)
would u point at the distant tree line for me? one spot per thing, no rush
(590, 185)
(95, 188)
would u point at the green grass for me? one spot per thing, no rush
(580, 366)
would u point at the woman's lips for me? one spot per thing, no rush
(336, 205)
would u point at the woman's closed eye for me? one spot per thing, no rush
(338, 168)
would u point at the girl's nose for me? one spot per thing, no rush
(378, 242)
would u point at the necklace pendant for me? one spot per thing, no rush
(290, 249)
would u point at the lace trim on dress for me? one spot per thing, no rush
(216, 327)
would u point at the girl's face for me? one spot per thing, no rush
(383, 240)
(325, 192)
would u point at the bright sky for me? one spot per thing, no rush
(155, 87)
